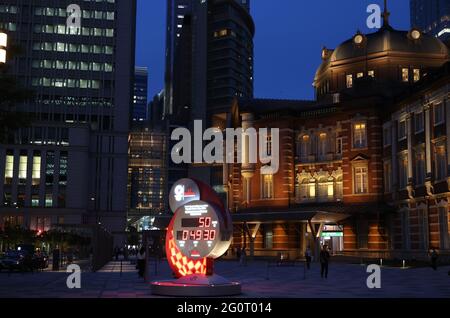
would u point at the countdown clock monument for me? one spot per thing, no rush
(199, 232)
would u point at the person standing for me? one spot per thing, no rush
(308, 257)
(434, 258)
(324, 261)
(141, 262)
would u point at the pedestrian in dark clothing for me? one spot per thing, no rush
(116, 252)
(141, 262)
(308, 257)
(324, 261)
(434, 258)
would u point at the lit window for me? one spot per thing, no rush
(416, 75)
(9, 169)
(361, 180)
(349, 81)
(23, 161)
(36, 173)
(405, 75)
(48, 200)
(312, 189)
(359, 135)
(371, 73)
(268, 186)
(359, 75)
(330, 189)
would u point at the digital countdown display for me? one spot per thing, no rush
(198, 231)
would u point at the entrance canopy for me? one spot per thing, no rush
(292, 216)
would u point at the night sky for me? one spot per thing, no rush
(288, 41)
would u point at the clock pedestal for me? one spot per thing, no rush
(197, 286)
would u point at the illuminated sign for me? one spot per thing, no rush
(199, 231)
(182, 192)
(332, 234)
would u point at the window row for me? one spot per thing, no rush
(73, 65)
(349, 77)
(73, 48)
(62, 12)
(35, 164)
(63, 29)
(66, 82)
(8, 9)
(418, 122)
(419, 169)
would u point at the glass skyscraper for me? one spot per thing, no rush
(432, 16)
(140, 106)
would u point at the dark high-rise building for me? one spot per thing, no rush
(140, 106)
(209, 63)
(432, 16)
(209, 57)
(70, 166)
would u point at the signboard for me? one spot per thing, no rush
(182, 192)
(199, 231)
(332, 234)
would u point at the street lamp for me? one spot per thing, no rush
(3, 44)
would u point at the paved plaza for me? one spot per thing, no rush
(258, 281)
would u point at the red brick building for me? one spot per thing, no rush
(365, 167)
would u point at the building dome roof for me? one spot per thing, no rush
(388, 39)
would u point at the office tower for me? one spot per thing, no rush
(140, 107)
(147, 174)
(70, 165)
(209, 58)
(432, 16)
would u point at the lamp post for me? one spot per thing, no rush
(3, 44)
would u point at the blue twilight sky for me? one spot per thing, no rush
(288, 41)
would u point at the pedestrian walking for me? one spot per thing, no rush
(308, 257)
(243, 259)
(141, 262)
(324, 261)
(434, 259)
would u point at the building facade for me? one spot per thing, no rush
(364, 168)
(431, 16)
(70, 165)
(147, 175)
(139, 111)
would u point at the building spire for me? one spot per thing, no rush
(386, 14)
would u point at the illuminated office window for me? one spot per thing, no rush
(36, 172)
(371, 73)
(9, 168)
(359, 75)
(23, 161)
